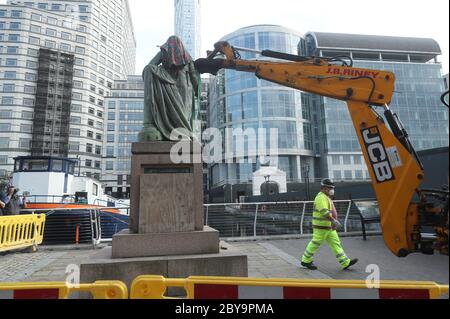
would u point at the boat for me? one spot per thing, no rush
(77, 208)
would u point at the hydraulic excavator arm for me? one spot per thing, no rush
(394, 166)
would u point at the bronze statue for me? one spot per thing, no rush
(171, 85)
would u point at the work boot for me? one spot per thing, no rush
(309, 266)
(352, 263)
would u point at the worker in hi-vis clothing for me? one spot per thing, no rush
(325, 222)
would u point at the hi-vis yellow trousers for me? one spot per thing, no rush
(332, 238)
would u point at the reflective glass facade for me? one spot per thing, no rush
(125, 120)
(187, 25)
(240, 100)
(416, 101)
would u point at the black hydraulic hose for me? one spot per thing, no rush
(285, 56)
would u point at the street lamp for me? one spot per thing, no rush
(306, 170)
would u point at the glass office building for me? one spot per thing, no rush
(417, 96)
(124, 121)
(239, 100)
(187, 25)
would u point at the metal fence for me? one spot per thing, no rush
(99, 225)
(66, 226)
(270, 219)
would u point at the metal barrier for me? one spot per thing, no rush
(65, 226)
(155, 287)
(54, 290)
(277, 218)
(17, 232)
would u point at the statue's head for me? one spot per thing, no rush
(175, 54)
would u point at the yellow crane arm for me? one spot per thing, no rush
(394, 167)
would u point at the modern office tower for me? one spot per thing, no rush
(241, 100)
(56, 54)
(125, 118)
(416, 100)
(188, 25)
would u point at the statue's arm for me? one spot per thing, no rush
(195, 77)
(157, 60)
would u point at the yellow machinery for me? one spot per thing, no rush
(394, 166)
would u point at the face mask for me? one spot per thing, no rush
(332, 192)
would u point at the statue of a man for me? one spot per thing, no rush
(171, 85)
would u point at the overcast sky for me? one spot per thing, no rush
(154, 20)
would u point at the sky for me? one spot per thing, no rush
(154, 20)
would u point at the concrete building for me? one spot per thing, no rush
(188, 25)
(58, 61)
(124, 121)
(416, 101)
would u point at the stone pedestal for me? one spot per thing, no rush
(167, 235)
(165, 197)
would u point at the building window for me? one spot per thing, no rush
(348, 175)
(51, 32)
(36, 17)
(14, 38)
(26, 128)
(98, 150)
(80, 39)
(9, 87)
(7, 100)
(12, 50)
(15, 25)
(34, 40)
(25, 143)
(75, 120)
(4, 142)
(5, 127)
(30, 76)
(11, 62)
(10, 74)
(110, 138)
(88, 163)
(16, 14)
(74, 147)
(90, 134)
(337, 175)
(75, 132)
(109, 165)
(89, 148)
(110, 151)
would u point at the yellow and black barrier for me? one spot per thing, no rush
(55, 290)
(155, 287)
(22, 231)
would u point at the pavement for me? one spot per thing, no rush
(266, 259)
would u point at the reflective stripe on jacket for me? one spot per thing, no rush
(322, 211)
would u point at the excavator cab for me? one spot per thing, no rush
(412, 219)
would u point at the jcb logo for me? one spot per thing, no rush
(377, 155)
